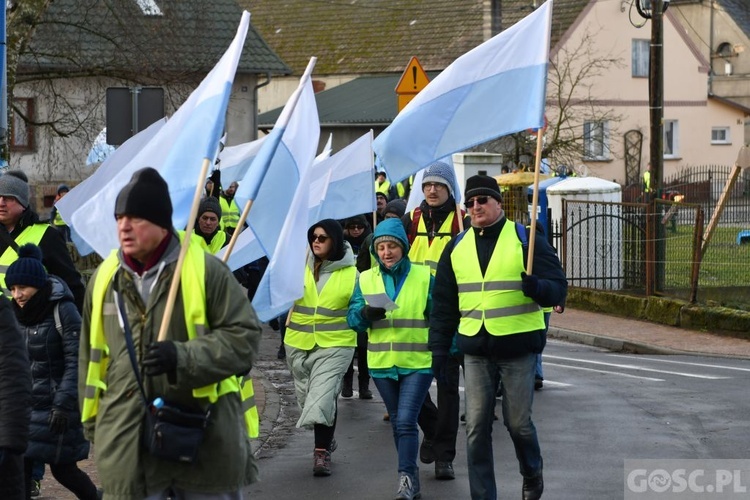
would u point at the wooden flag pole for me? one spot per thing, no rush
(237, 231)
(534, 202)
(183, 252)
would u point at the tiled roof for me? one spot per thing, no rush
(115, 36)
(366, 37)
(739, 10)
(367, 101)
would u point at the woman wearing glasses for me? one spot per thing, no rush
(393, 301)
(319, 343)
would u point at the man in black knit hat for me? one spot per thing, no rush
(212, 336)
(482, 292)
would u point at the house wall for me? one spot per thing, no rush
(685, 93)
(702, 30)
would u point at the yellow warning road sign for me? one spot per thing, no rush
(412, 81)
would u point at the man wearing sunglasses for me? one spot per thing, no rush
(483, 292)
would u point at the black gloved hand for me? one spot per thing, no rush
(58, 421)
(160, 358)
(530, 285)
(439, 362)
(373, 313)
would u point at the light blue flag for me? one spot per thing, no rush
(177, 152)
(496, 89)
(341, 186)
(333, 188)
(115, 162)
(274, 175)
(235, 161)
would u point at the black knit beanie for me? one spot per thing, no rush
(209, 204)
(146, 196)
(333, 229)
(482, 185)
(27, 270)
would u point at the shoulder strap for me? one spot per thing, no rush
(8, 239)
(416, 215)
(58, 321)
(522, 237)
(131, 346)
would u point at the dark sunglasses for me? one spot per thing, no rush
(477, 200)
(319, 237)
(355, 226)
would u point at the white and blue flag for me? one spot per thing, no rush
(496, 89)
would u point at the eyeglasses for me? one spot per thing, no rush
(433, 185)
(480, 200)
(319, 237)
(355, 226)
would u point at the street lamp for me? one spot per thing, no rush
(654, 10)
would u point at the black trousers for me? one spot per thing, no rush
(363, 371)
(11, 477)
(440, 424)
(68, 475)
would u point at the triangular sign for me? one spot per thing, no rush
(413, 80)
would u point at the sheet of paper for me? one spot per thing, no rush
(382, 301)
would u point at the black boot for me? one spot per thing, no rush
(364, 390)
(347, 391)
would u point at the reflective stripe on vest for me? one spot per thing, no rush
(192, 277)
(421, 251)
(320, 319)
(494, 299)
(230, 213)
(32, 234)
(401, 338)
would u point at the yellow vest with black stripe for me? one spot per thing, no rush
(421, 251)
(494, 299)
(401, 338)
(383, 188)
(192, 278)
(230, 213)
(320, 319)
(217, 242)
(32, 234)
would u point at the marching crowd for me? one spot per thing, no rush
(156, 375)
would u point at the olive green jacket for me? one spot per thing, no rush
(225, 461)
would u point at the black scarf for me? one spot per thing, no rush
(37, 308)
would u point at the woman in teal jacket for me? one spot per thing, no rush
(392, 302)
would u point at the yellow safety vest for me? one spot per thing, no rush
(401, 338)
(383, 188)
(32, 234)
(320, 319)
(230, 213)
(58, 220)
(494, 299)
(421, 251)
(193, 279)
(647, 181)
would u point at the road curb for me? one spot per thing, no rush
(612, 344)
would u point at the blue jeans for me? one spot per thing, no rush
(538, 373)
(403, 398)
(481, 378)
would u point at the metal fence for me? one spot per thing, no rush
(609, 245)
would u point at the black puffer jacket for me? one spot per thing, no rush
(54, 373)
(15, 384)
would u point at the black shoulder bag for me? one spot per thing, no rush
(169, 432)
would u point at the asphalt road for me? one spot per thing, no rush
(596, 410)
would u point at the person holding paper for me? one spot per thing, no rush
(393, 301)
(319, 343)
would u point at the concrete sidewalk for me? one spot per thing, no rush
(622, 334)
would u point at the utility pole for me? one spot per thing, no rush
(656, 251)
